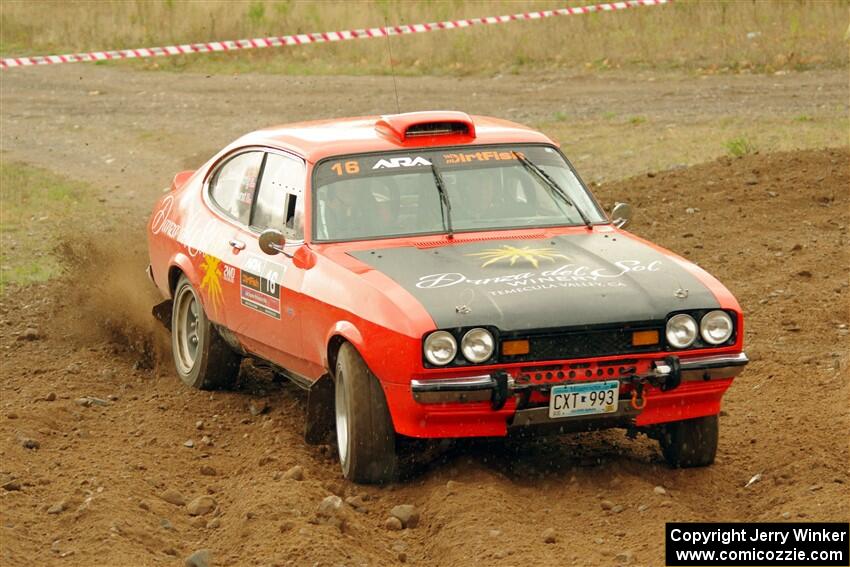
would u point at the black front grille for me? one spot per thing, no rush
(585, 343)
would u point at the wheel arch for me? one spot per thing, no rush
(180, 265)
(320, 398)
(342, 332)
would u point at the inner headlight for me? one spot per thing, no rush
(716, 327)
(681, 331)
(440, 348)
(477, 345)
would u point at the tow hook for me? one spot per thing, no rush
(638, 401)
(674, 375)
(500, 392)
(666, 376)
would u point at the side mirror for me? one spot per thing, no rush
(272, 241)
(621, 215)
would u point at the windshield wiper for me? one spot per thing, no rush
(552, 185)
(445, 204)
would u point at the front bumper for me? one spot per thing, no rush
(488, 404)
(490, 386)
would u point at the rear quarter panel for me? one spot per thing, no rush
(179, 231)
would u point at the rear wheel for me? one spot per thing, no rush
(364, 428)
(691, 442)
(202, 359)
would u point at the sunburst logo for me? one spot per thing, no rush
(514, 254)
(212, 280)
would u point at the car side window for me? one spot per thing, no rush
(233, 185)
(279, 201)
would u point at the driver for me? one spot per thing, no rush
(346, 210)
(486, 199)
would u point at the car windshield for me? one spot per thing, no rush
(367, 196)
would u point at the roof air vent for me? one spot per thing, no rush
(419, 125)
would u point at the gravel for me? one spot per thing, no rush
(29, 334)
(407, 514)
(58, 508)
(201, 505)
(358, 502)
(173, 497)
(295, 473)
(329, 506)
(201, 558)
(258, 408)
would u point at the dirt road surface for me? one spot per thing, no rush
(101, 446)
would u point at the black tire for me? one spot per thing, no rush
(690, 443)
(365, 432)
(201, 357)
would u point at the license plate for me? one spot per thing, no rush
(587, 398)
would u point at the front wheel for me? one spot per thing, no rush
(202, 359)
(691, 442)
(364, 429)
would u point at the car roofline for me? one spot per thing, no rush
(317, 140)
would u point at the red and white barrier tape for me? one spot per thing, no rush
(299, 39)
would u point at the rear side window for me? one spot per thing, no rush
(233, 185)
(278, 199)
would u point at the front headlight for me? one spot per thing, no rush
(681, 331)
(477, 345)
(716, 327)
(440, 348)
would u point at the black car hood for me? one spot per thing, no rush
(563, 281)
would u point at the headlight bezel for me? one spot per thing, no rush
(434, 336)
(686, 318)
(703, 323)
(700, 342)
(477, 331)
(460, 360)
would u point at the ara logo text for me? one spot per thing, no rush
(401, 162)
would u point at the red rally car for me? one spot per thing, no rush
(437, 275)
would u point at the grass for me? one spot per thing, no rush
(710, 37)
(740, 146)
(34, 204)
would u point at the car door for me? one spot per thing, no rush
(267, 318)
(229, 193)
